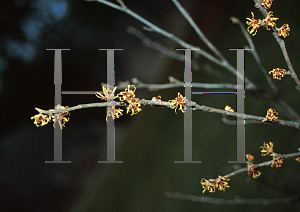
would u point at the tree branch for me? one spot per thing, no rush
(254, 53)
(281, 44)
(193, 105)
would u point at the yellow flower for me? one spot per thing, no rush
(134, 107)
(41, 119)
(266, 3)
(277, 162)
(283, 31)
(108, 94)
(278, 73)
(221, 183)
(267, 149)
(255, 24)
(270, 21)
(209, 185)
(251, 170)
(60, 117)
(256, 173)
(250, 157)
(128, 95)
(297, 159)
(178, 102)
(271, 115)
(114, 112)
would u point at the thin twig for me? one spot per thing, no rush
(198, 31)
(267, 163)
(174, 83)
(177, 55)
(231, 201)
(206, 41)
(81, 106)
(240, 115)
(234, 122)
(172, 37)
(281, 44)
(158, 47)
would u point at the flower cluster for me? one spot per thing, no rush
(109, 95)
(43, 119)
(129, 96)
(271, 115)
(266, 3)
(212, 184)
(178, 102)
(278, 73)
(268, 22)
(251, 167)
(267, 149)
(126, 95)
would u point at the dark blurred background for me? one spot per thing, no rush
(150, 141)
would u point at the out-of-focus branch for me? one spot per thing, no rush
(154, 28)
(158, 47)
(210, 200)
(198, 31)
(174, 83)
(177, 55)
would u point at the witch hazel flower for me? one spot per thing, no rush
(253, 24)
